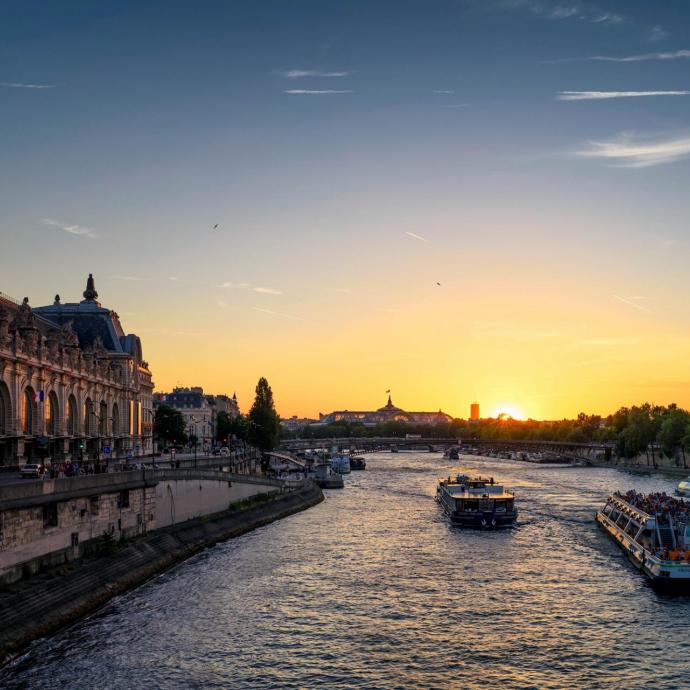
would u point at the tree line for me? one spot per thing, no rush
(260, 427)
(633, 430)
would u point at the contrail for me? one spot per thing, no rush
(632, 304)
(417, 237)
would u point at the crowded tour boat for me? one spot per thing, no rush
(476, 502)
(653, 530)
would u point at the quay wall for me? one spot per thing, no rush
(44, 524)
(42, 605)
(178, 500)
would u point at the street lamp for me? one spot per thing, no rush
(153, 419)
(100, 419)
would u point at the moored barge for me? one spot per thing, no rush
(654, 533)
(476, 502)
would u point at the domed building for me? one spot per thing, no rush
(73, 384)
(388, 413)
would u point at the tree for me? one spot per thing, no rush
(169, 425)
(263, 420)
(232, 427)
(673, 430)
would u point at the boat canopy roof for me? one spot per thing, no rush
(631, 511)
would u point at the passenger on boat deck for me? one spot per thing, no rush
(658, 504)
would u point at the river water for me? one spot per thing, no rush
(374, 589)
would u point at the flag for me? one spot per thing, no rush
(388, 391)
(39, 396)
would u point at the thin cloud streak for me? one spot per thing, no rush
(130, 278)
(627, 151)
(631, 303)
(267, 291)
(302, 73)
(76, 230)
(277, 313)
(316, 92)
(603, 95)
(444, 92)
(683, 54)
(19, 85)
(416, 236)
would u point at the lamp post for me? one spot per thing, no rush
(192, 424)
(100, 419)
(153, 420)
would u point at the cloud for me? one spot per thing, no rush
(18, 85)
(456, 105)
(629, 151)
(276, 313)
(603, 95)
(668, 55)
(444, 92)
(631, 302)
(229, 285)
(76, 230)
(416, 237)
(559, 10)
(499, 329)
(606, 342)
(316, 92)
(657, 33)
(130, 278)
(302, 73)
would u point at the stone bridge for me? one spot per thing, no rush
(557, 449)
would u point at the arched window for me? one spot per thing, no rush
(103, 419)
(52, 414)
(116, 419)
(88, 417)
(72, 416)
(29, 409)
(5, 409)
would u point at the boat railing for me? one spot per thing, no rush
(630, 510)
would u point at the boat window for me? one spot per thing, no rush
(608, 508)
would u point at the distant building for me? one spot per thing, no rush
(199, 410)
(387, 413)
(474, 412)
(296, 423)
(73, 384)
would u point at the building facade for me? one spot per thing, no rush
(474, 412)
(73, 385)
(387, 413)
(199, 410)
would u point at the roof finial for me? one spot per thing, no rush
(90, 294)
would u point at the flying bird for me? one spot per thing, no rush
(215, 227)
(438, 283)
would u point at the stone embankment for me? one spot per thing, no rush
(45, 603)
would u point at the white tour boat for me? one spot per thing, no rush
(654, 533)
(684, 487)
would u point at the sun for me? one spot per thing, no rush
(507, 411)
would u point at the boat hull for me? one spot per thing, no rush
(479, 519)
(671, 576)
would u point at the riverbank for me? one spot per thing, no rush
(636, 466)
(47, 602)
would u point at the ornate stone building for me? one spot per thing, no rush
(73, 385)
(388, 413)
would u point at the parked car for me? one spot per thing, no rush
(225, 450)
(216, 451)
(30, 470)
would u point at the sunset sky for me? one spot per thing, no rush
(532, 157)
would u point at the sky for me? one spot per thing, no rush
(456, 200)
